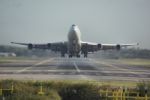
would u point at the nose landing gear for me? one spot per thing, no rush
(85, 55)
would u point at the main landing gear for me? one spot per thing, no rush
(70, 56)
(85, 55)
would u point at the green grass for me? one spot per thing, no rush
(53, 90)
(136, 61)
(10, 59)
(144, 62)
(64, 90)
(17, 59)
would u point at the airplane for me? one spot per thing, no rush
(74, 47)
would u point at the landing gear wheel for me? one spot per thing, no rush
(70, 56)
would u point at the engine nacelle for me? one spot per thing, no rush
(49, 45)
(99, 46)
(84, 48)
(118, 47)
(30, 46)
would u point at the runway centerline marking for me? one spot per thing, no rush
(37, 64)
(77, 68)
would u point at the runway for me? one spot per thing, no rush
(73, 69)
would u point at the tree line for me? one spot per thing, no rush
(124, 53)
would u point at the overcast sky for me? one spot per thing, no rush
(102, 21)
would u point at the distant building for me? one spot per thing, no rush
(7, 54)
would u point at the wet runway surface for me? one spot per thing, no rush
(74, 69)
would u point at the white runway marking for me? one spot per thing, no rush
(116, 67)
(77, 68)
(27, 68)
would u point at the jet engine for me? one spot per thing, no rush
(99, 46)
(49, 45)
(30, 46)
(84, 50)
(118, 47)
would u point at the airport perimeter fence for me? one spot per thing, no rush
(118, 94)
(6, 92)
(122, 95)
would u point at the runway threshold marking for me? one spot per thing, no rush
(37, 64)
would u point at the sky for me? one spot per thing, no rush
(101, 21)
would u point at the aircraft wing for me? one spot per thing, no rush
(91, 47)
(19, 43)
(116, 46)
(57, 46)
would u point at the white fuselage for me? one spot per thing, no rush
(74, 41)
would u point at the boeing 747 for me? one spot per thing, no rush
(74, 46)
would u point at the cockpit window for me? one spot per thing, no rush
(73, 25)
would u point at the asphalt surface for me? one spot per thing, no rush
(73, 69)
